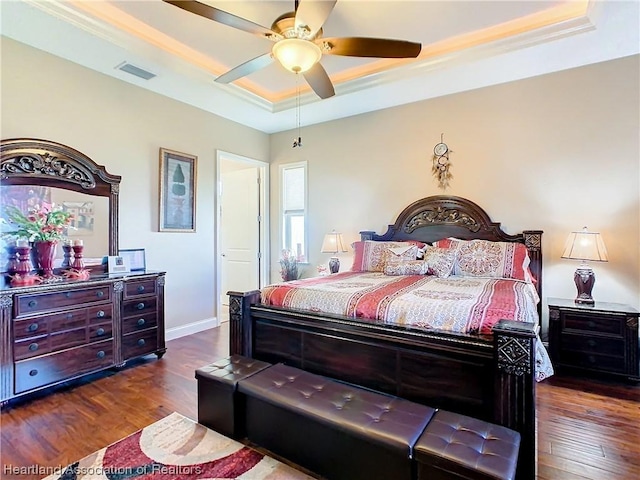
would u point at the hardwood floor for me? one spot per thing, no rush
(587, 429)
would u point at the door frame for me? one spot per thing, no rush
(263, 168)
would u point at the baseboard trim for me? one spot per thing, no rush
(191, 328)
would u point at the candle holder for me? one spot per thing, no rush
(66, 259)
(12, 258)
(78, 263)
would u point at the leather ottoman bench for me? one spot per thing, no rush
(219, 405)
(454, 446)
(336, 430)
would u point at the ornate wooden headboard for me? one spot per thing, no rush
(441, 216)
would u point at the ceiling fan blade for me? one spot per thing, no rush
(370, 47)
(313, 14)
(246, 68)
(225, 18)
(319, 81)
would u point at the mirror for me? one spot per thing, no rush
(40, 172)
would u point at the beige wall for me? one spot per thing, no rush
(555, 152)
(122, 127)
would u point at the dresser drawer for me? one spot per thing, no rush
(139, 322)
(100, 313)
(34, 303)
(593, 361)
(139, 343)
(35, 326)
(594, 323)
(44, 370)
(101, 331)
(138, 288)
(592, 344)
(141, 306)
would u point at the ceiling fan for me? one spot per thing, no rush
(299, 44)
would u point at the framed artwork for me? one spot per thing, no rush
(135, 258)
(83, 218)
(178, 173)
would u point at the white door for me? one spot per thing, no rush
(239, 231)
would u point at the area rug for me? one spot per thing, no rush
(178, 448)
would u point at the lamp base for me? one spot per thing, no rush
(334, 264)
(585, 279)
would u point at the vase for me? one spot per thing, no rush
(46, 252)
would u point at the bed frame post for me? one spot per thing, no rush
(514, 347)
(240, 330)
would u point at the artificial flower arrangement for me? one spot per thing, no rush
(39, 224)
(289, 266)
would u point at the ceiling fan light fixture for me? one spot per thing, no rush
(296, 55)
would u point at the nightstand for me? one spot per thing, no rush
(600, 339)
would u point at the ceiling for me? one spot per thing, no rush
(465, 45)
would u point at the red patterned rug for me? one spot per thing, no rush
(178, 448)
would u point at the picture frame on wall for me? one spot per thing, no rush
(178, 176)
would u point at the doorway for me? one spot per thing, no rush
(242, 233)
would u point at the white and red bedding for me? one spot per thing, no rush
(454, 304)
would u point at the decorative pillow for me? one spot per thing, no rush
(482, 258)
(371, 256)
(412, 267)
(439, 261)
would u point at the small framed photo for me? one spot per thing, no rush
(135, 258)
(117, 264)
(178, 174)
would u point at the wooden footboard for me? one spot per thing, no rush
(488, 377)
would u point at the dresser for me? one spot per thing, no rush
(595, 340)
(63, 330)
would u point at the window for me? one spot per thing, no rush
(294, 209)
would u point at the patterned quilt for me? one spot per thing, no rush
(454, 304)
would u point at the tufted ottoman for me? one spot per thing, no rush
(219, 405)
(455, 446)
(336, 430)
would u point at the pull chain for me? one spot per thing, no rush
(297, 142)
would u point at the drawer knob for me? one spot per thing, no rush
(69, 316)
(591, 324)
(141, 288)
(140, 306)
(592, 343)
(141, 342)
(100, 354)
(68, 294)
(100, 314)
(33, 373)
(591, 359)
(32, 303)
(100, 294)
(140, 322)
(100, 332)
(33, 327)
(33, 347)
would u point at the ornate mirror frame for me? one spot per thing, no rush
(31, 161)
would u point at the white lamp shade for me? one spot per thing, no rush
(333, 243)
(296, 55)
(585, 245)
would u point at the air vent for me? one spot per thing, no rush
(137, 71)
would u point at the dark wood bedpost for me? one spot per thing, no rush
(240, 336)
(514, 347)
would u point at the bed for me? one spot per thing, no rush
(485, 368)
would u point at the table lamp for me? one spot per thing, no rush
(333, 243)
(585, 245)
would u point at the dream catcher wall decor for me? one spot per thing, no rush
(441, 163)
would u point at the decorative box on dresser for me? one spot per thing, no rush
(60, 331)
(601, 339)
